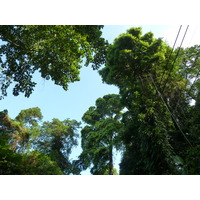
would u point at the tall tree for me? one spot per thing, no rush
(55, 51)
(56, 140)
(154, 91)
(101, 136)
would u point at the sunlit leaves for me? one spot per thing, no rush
(132, 60)
(39, 147)
(56, 139)
(57, 52)
(102, 134)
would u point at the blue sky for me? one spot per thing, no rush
(54, 102)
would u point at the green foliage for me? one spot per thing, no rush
(131, 56)
(37, 163)
(156, 90)
(36, 149)
(17, 134)
(131, 59)
(9, 161)
(193, 160)
(114, 172)
(55, 51)
(56, 139)
(30, 117)
(151, 121)
(34, 163)
(101, 135)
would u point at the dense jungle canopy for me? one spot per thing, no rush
(154, 121)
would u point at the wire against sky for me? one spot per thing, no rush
(171, 53)
(175, 59)
(174, 118)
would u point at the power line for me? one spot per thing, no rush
(171, 53)
(198, 73)
(160, 94)
(169, 57)
(175, 59)
(176, 122)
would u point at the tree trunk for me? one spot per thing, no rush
(111, 160)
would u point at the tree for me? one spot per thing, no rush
(191, 155)
(154, 89)
(56, 140)
(9, 160)
(28, 147)
(13, 158)
(16, 135)
(55, 51)
(188, 114)
(30, 118)
(101, 136)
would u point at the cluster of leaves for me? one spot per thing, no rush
(55, 51)
(30, 148)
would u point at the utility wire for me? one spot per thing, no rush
(159, 93)
(169, 110)
(198, 73)
(169, 57)
(171, 53)
(175, 59)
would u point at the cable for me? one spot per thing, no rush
(169, 57)
(175, 59)
(198, 73)
(160, 94)
(176, 122)
(171, 53)
(187, 93)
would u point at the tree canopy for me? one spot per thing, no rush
(55, 51)
(29, 147)
(153, 121)
(100, 136)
